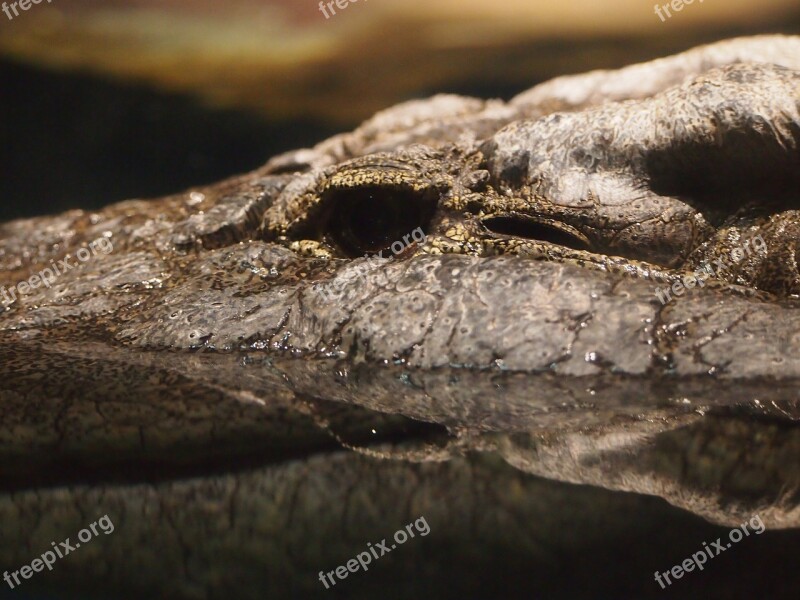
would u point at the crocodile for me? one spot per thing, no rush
(458, 294)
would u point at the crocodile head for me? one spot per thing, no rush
(595, 280)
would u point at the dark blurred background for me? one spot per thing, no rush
(106, 100)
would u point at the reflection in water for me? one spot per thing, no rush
(307, 462)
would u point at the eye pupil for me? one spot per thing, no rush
(373, 227)
(371, 219)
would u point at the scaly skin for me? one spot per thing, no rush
(238, 321)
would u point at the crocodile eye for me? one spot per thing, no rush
(527, 228)
(369, 219)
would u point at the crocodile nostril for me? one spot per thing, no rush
(527, 228)
(369, 219)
